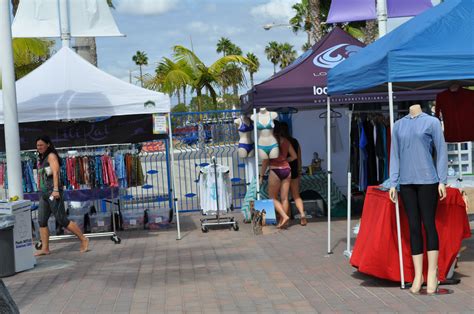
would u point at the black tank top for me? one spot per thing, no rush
(296, 146)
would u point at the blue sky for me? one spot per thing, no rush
(154, 26)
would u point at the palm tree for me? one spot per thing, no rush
(140, 59)
(306, 47)
(301, 20)
(272, 50)
(253, 66)
(171, 77)
(29, 53)
(205, 76)
(224, 45)
(288, 55)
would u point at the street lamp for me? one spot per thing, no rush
(269, 26)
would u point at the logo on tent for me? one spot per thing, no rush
(331, 57)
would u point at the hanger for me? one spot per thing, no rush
(334, 114)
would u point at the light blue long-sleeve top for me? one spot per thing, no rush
(411, 155)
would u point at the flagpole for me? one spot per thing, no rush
(10, 111)
(382, 17)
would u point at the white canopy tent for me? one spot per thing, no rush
(68, 87)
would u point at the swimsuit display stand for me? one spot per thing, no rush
(218, 220)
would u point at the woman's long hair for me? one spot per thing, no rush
(278, 131)
(50, 149)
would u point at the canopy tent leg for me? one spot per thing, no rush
(459, 163)
(347, 253)
(12, 130)
(328, 132)
(257, 172)
(173, 185)
(397, 207)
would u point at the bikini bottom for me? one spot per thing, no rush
(268, 149)
(282, 174)
(247, 147)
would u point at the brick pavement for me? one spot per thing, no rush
(222, 271)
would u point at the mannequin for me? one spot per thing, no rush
(267, 144)
(421, 180)
(245, 128)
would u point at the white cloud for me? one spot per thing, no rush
(146, 7)
(278, 10)
(198, 27)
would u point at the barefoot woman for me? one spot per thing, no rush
(51, 195)
(279, 177)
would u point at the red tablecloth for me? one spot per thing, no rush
(376, 249)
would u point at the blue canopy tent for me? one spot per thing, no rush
(428, 52)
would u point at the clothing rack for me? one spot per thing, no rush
(218, 220)
(114, 209)
(352, 111)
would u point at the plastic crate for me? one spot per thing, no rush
(157, 219)
(100, 223)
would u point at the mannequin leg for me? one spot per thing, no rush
(432, 280)
(428, 202)
(418, 279)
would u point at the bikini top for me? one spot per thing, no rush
(268, 126)
(245, 128)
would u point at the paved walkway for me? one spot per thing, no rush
(221, 271)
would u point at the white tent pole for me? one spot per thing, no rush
(349, 181)
(173, 185)
(328, 117)
(64, 20)
(459, 162)
(347, 253)
(397, 207)
(10, 111)
(382, 17)
(255, 140)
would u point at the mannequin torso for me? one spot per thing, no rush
(268, 146)
(245, 128)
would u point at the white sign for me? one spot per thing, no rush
(133, 222)
(158, 220)
(160, 124)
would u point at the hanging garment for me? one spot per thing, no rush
(336, 137)
(371, 158)
(355, 151)
(209, 192)
(457, 111)
(363, 173)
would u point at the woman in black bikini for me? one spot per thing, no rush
(279, 177)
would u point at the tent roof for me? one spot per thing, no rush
(68, 87)
(428, 51)
(303, 83)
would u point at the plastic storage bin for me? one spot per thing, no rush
(132, 220)
(157, 219)
(100, 223)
